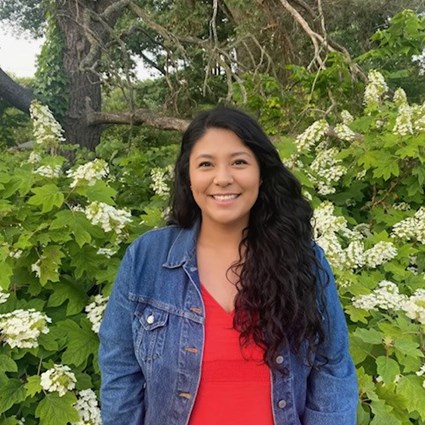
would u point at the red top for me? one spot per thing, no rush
(235, 384)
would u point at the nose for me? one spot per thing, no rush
(223, 176)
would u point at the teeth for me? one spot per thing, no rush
(224, 197)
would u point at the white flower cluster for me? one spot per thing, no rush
(326, 226)
(355, 255)
(418, 117)
(95, 311)
(159, 178)
(375, 89)
(403, 124)
(88, 173)
(387, 297)
(107, 252)
(411, 227)
(34, 158)
(87, 407)
(380, 254)
(420, 59)
(328, 170)
(400, 97)
(346, 117)
(414, 306)
(3, 296)
(21, 328)
(107, 217)
(311, 135)
(49, 171)
(344, 132)
(58, 378)
(47, 131)
(402, 206)
(16, 253)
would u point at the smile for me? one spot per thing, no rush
(225, 197)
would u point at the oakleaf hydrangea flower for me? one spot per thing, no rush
(400, 97)
(386, 297)
(107, 252)
(34, 158)
(345, 133)
(49, 171)
(87, 407)
(95, 311)
(47, 131)
(403, 124)
(159, 178)
(375, 89)
(21, 328)
(59, 379)
(420, 59)
(346, 117)
(380, 254)
(411, 227)
(311, 135)
(414, 307)
(107, 217)
(88, 173)
(328, 170)
(3, 296)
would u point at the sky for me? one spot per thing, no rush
(17, 53)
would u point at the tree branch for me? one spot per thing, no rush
(18, 96)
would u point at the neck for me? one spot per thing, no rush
(220, 237)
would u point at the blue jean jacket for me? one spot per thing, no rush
(152, 338)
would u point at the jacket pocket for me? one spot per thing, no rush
(151, 329)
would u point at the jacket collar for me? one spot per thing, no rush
(183, 247)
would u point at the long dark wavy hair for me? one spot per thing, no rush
(278, 291)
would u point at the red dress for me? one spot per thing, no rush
(235, 386)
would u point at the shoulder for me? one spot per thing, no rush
(159, 238)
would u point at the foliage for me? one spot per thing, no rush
(51, 83)
(396, 44)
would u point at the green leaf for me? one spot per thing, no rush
(47, 196)
(383, 414)
(387, 368)
(9, 421)
(75, 295)
(82, 342)
(76, 222)
(371, 336)
(13, 392)
(6, 273)
(55, 410)
(7, 364)
(100, 192)
(408, 347)
(411, 388)
(33, 386)
(49, 264)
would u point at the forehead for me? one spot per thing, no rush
(219, 141)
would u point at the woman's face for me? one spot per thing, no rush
(224, 177)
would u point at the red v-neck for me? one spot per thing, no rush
(206, 294)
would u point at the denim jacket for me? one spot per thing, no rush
(152, 338)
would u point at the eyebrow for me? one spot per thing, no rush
(209, 156)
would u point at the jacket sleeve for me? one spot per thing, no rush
(122, 386)
(332, 393)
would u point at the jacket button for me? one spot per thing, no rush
(150, 319)
(279, 359)
(281, 404)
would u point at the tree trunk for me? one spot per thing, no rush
(83, 24)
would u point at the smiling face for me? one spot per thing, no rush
(225, 178)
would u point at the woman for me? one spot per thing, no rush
(229, 315)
